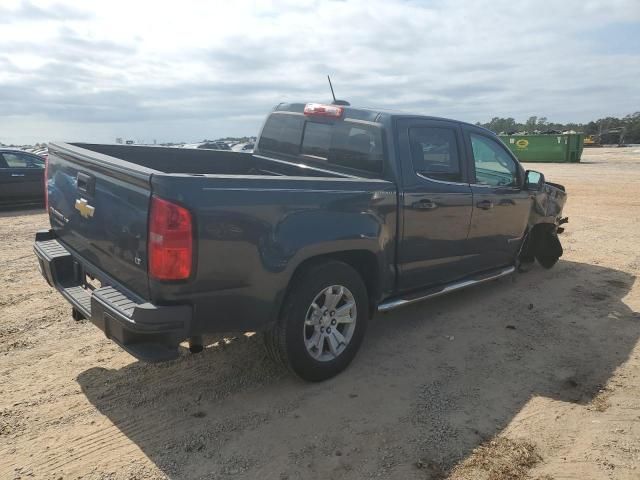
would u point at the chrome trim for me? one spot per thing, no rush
(386, 306)
(275, 189)
(305, 166)
(464, 184)
(502, 187)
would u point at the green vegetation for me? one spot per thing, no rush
(630, 124)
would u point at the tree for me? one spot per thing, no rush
(531, 124)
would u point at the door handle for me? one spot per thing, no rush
(425, 204)
(17, 174)
(485, 205)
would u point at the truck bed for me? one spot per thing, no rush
(255, 220)
(203, 162)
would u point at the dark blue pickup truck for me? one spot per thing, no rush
(338, 212)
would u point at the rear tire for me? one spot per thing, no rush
(322, 323)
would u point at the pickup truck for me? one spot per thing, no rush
(338, 213)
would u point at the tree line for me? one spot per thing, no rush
(629, 125)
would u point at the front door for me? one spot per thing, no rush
(501, 205)
(437, 203)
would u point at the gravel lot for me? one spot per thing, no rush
(532, 377)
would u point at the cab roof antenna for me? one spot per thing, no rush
(335, 101)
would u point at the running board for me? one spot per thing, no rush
(452, 287)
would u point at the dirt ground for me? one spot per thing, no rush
(532, 377)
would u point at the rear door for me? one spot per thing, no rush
(99, 207)
(500, 205)
(437, 203)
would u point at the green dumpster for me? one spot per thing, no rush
(546, 147)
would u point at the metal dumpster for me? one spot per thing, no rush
(546, 147)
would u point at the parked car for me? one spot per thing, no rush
(215, 146)
(208, 145)
(21, 177)
(339, 212)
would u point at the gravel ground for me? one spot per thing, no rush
(536, 376)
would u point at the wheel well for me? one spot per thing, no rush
(362, 261)
(541, 241)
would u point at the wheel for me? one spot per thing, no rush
(322, 323)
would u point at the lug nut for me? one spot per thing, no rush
(333, 322)
(328, 329)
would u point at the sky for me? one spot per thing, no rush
(187, 70)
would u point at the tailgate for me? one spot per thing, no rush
(98, 207)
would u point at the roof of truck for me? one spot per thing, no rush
(372, 114)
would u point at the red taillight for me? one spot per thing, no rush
(170, 241)
(319, 110)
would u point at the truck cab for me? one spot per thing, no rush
(463, 205)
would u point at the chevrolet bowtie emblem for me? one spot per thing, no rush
(84, 208)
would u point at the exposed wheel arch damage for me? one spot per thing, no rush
(541, 242)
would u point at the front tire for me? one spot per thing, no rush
(323, 321)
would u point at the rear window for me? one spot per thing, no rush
(343, 143)
(282, 134)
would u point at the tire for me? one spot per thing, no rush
(304, 321)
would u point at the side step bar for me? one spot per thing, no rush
(442, 290)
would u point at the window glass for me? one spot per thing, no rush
(18, 160)
(317, 139)
(344, 144)
(494, 166)
(357, 146)
(434, 153)
(340, 143)
(282, 134)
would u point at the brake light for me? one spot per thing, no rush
(170, 241)
(319, 110)
(46, 188)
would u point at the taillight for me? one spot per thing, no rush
(170, 241)
(46, 188)
(319, 110)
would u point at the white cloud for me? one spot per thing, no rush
(94, 70)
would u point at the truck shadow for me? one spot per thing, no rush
(21, 210)
(431, 383)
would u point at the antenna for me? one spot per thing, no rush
(331, 87)
(335, 101)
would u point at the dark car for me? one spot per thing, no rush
(21, 177)
(338, 213)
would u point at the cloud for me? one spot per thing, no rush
(203, 69)
(29, 12)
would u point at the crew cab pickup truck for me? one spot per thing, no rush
(338, 213)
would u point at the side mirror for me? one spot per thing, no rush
(533, 180)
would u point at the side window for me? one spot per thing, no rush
(18, 160)
(282, 134)
(494, 166)
(434, 153)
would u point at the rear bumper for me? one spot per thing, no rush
(148, 332)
